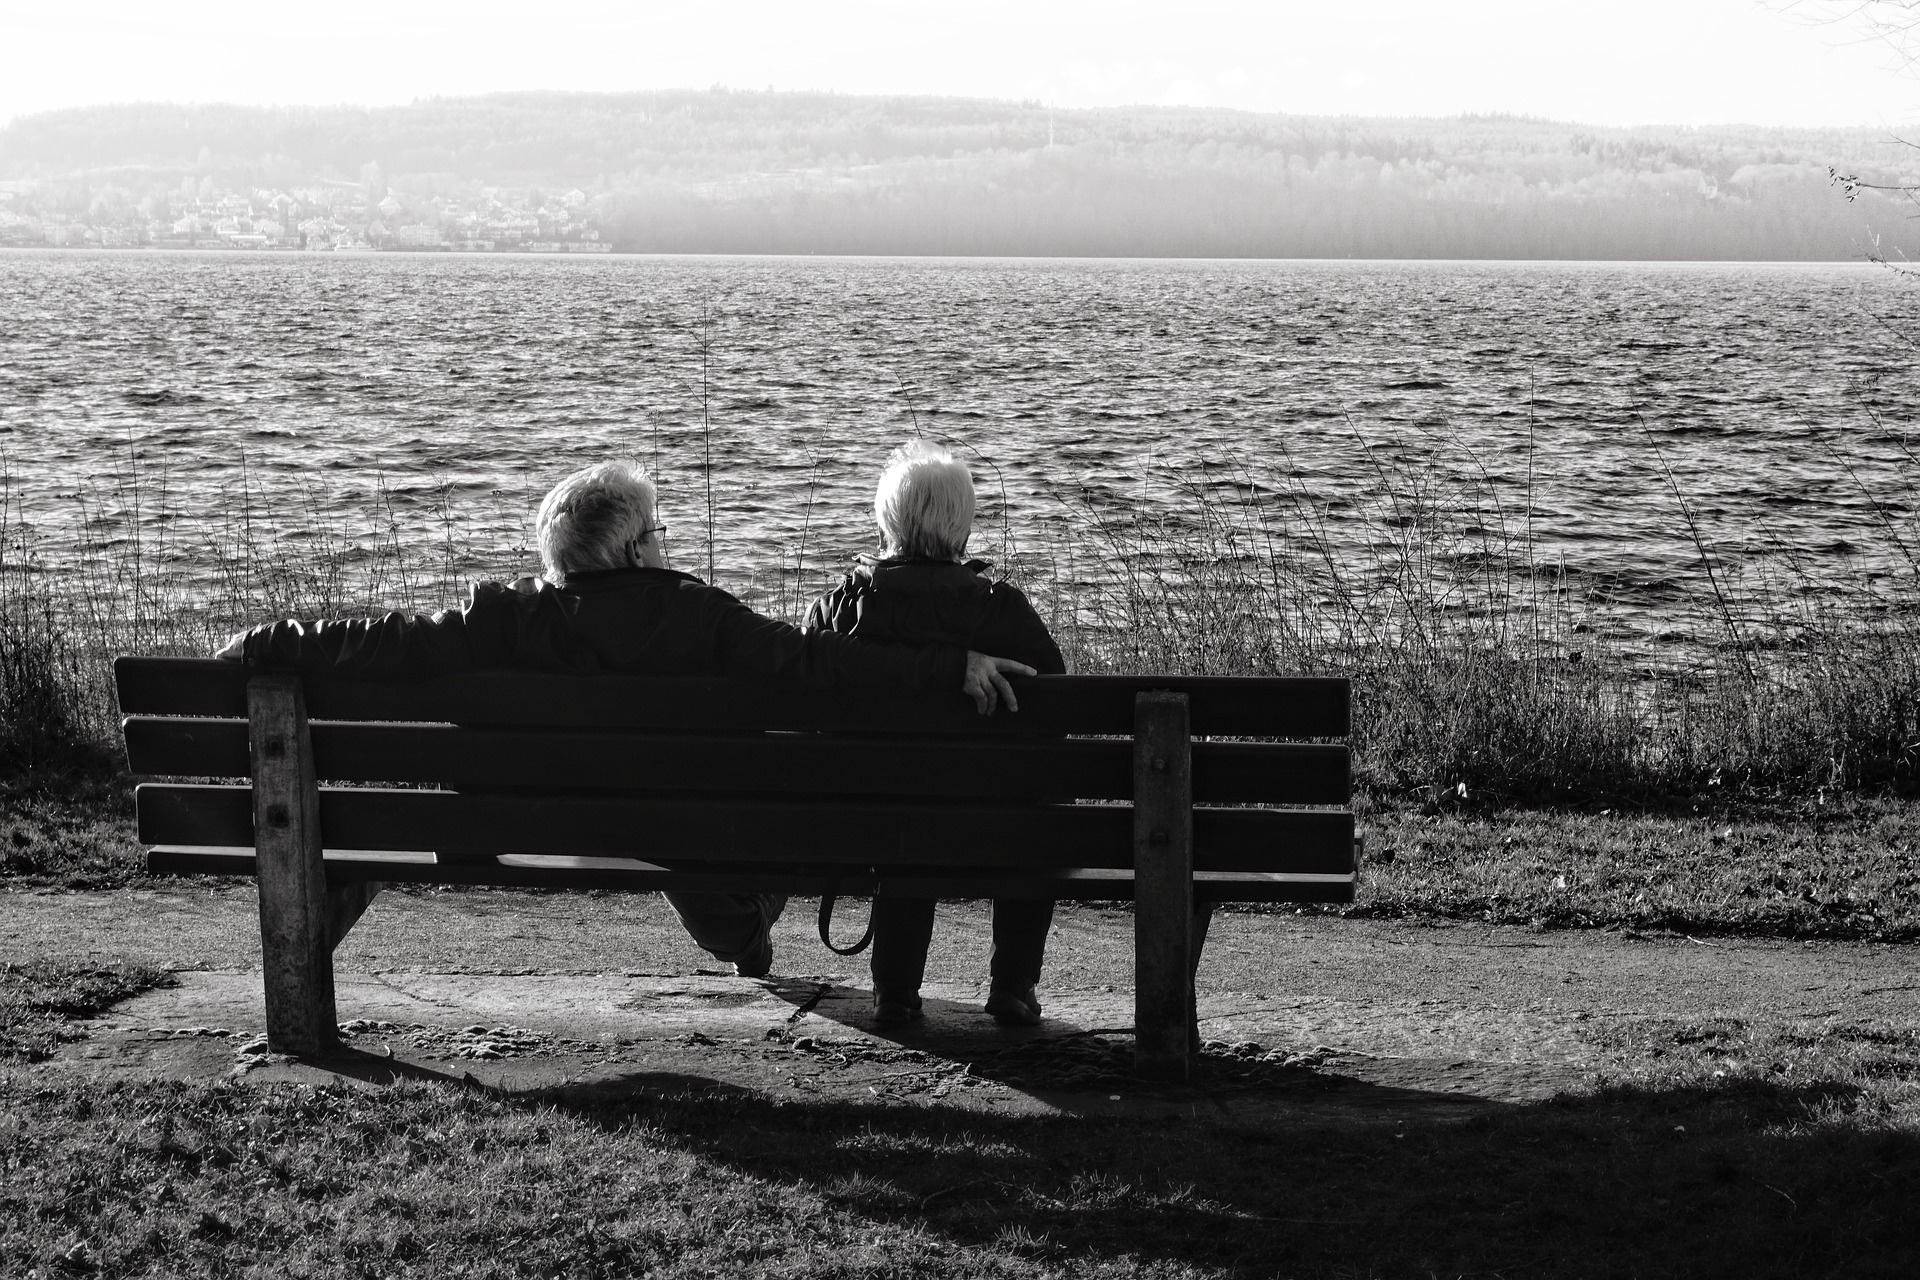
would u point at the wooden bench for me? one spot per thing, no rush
(637, 783)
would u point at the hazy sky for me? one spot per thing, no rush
(1602, 61)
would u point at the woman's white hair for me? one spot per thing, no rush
(587, 520)
(924, 505)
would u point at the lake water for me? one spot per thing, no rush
(1778, 395)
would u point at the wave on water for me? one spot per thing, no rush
(164, 397)
(1055, 378)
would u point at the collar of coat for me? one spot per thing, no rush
(920, 575)
(609, 579)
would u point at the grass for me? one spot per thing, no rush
(74, 831)
(1731, 1157)
(38, 1000)
(1850, 870)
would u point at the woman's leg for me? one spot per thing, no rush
(1019, 948)
(902, 932)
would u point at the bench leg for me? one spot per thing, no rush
(296, 935)
(1163, 920)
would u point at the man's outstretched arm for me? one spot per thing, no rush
(750, 646)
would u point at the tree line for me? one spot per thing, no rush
(721, 171)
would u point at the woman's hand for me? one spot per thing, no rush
(986, 681)
(233, 648)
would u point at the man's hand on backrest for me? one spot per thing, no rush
(986, 681)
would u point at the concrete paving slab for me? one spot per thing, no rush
(1360, 1021)
(813, 1039)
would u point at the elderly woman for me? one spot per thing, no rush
(609, 603)
(918, 593)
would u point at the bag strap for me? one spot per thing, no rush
(826, 921)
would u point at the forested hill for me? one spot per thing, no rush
(721, 171)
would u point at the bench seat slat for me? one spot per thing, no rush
(728, 829)
(1231, 706)
(1234, 772)
(1079, 883)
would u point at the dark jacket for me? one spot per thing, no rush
(634, 621)
(936, 602)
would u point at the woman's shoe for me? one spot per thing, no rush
(1013, 1006)
(891, 1010)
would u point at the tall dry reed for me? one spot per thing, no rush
(129, 567)
(1479, 671)
(43, 673)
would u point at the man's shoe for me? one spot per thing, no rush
(891, 1011)
(759, 958)
(757, 963)
(1013, 1007)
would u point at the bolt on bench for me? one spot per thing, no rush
(641, 783)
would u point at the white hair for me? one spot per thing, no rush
(924, 505)
(587, 520)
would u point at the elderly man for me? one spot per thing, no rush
(609, 603)
(920, 593)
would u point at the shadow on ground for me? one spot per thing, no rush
(660, 1172)
(1743, 1177)
(1038, 1145)
(1263, 1167)
(770, 1131)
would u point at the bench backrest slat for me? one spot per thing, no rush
(447, 755)
(1232, 706)
(729, 829)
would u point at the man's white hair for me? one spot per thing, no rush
(924, 505)
(587, 520)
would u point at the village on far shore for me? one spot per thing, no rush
(326, 217)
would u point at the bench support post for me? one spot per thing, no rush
(346, 903)
(296, 917)
(1202, 917)
(1163, 949)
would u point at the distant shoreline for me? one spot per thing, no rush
(775, 256)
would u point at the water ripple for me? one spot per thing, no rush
(419, 373)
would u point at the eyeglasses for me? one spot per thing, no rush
(644, 534)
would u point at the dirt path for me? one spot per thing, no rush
(1368, 1018)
